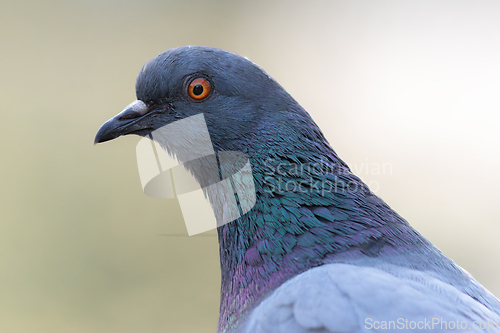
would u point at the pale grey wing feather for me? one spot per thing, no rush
(345, 298)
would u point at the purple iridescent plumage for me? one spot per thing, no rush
(318, 252)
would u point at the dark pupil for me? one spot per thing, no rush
(198, 89)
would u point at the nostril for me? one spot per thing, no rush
(133, 110)
(128, 114)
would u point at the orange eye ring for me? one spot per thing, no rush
(199, 89)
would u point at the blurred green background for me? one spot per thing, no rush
(406, 93)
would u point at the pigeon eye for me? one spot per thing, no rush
(199, 88)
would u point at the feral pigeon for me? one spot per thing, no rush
(318, 252)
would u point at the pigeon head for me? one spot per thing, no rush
(242, 105)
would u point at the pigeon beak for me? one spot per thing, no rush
(126, 122)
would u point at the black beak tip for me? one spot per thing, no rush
(96, 139)
(123, 123)
(104, 133)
